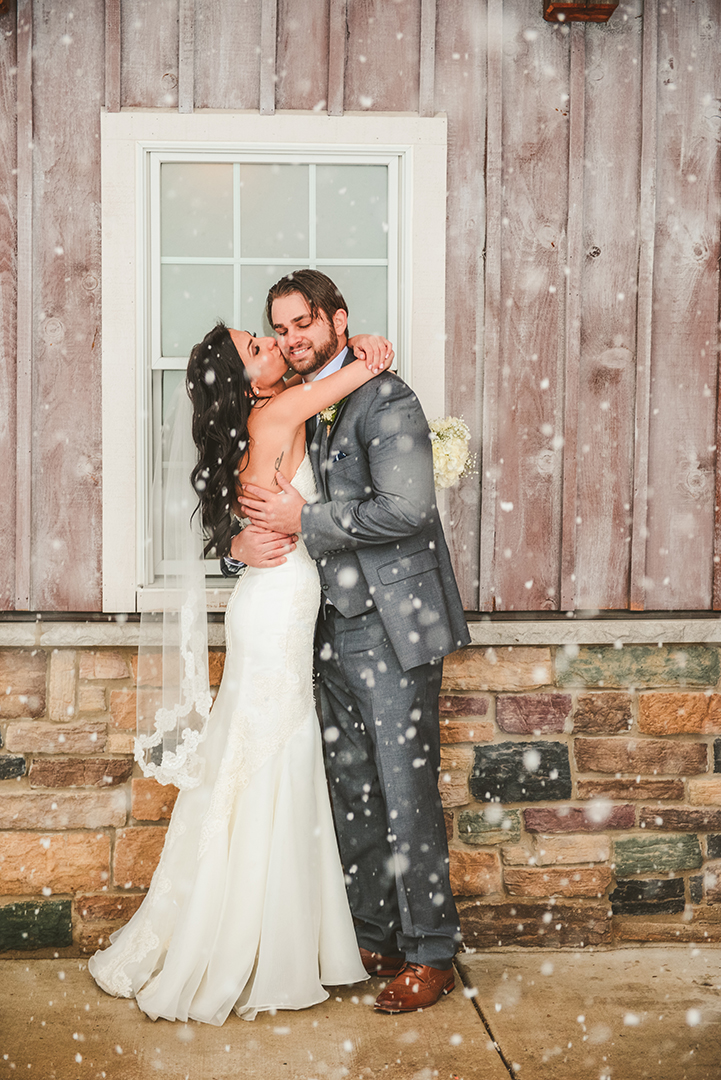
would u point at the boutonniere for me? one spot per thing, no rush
(329, 414)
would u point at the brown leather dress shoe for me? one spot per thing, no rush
(417, 986)
(386, 967)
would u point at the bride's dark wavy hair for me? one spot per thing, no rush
(219, 389)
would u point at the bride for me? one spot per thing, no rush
(247, 909)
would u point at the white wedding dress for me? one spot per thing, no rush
(247, 909)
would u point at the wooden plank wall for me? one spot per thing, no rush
(582, 289)
(8, 302)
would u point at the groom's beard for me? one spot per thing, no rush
(317, 357)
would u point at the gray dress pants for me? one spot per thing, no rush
(382, 747)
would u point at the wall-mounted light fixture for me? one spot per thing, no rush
(598, 11)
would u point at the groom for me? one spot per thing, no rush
(390, 612)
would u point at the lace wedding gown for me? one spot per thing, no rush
(247, 909)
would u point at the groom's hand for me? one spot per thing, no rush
(261, 548)
(280, 512)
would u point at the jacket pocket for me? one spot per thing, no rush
(417, 563)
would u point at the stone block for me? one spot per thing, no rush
(717, 755)
(22, 683)
(532, 714)
(549, 881)
(664, 930)
(570, 819)
(636, 788)
(64, 862)
(121, 742)
(695, 888)
(151, 669)
(461, 731)
(108, 907)
(11, 767)
(216, 664)
(448, 819)
(89, 937)
(104, 664)
(62, 685)
(678, 714)
(639, 665)
(453, 787)
(650, 756)
(66, 810)
(508, 668)
(91, 699)
(656, 854)
(453, 705)
(79, 772)
(123, 709)
(137, 852)
(456, 757)
(567, 850)
(521, 772)
(655, 896)
(713, 846)
(705, 791)
(474, 873)
(44, 924)
(152, 801)
(492, 825)
(603, 713)
(553, 925)
(679, 819)
(517, 855)
(39, 737)
(711, 882)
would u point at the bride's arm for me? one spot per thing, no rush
(299, 403)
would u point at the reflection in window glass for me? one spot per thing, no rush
(352, 211)
(274, 212)
(365, 291)
(193, 298)
(196, 209)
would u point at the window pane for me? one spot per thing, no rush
(352, 211)
(193, 297)
(365, 290)
(171, 381)
(274, 211)
(196, 209)
(255, 281)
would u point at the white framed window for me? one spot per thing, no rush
(202, 213)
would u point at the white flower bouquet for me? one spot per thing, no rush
(451, 457)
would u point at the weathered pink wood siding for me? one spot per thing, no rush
(8, 304)
(582, 280)
(67, 470)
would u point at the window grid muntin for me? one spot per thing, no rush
(396, 239)
(397, 314)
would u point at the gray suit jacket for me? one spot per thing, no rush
(375, 530)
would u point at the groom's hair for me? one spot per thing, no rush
(321, 294)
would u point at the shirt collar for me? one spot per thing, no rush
(334, 365)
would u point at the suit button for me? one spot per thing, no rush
(324, 588)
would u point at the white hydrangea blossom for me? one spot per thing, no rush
(451, 457)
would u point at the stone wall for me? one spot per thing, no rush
(581, 785)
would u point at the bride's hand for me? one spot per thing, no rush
(375, 350)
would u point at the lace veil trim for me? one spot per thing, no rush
(173, 688)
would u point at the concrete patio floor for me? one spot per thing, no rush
(529, 1014)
